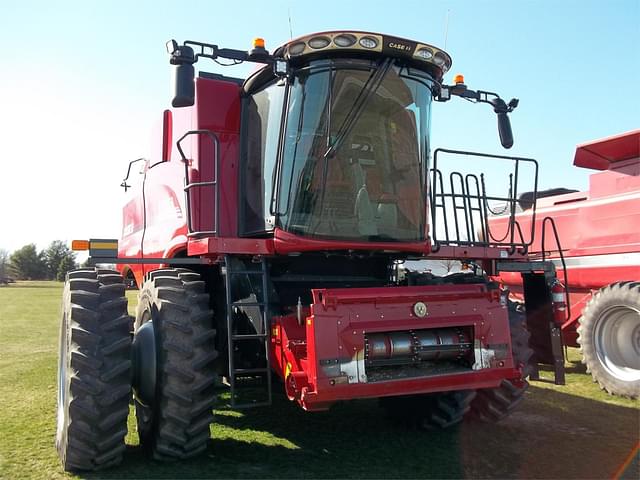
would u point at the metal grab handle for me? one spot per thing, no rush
(213, 183)
(550, 220)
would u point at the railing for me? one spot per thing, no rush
(551, 221)
(189, 186)
(462, 205)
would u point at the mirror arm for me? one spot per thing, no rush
(184, 56)
(499, 106)
(191, 52)
(480, 96)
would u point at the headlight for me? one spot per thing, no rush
(424, 53)
(439, 59)
(344, 40)
(319, 42)
(297, 48)
(368, 42)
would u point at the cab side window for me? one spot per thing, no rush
(263, 112)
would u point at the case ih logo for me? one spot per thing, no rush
(400, 46)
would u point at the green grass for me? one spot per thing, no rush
(572, 431)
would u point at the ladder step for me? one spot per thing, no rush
(253, 404)
(250, 387)
(244, 371)
(252, 336)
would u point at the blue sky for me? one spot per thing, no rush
(83, 82)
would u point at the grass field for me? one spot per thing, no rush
(574, 431)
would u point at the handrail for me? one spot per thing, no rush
(552, 221)
(468, 201)
(213, 183)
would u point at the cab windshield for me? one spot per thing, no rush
(354, 152)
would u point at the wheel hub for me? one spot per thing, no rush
(617, 342)
(144, 362)
(62, 377)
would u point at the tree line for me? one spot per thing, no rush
(27, 263)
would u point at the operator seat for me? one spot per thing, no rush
(375, 210)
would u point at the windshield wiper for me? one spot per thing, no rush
(368, 90)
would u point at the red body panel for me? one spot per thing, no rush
(319, 370)
(598, 228)
(217, 109)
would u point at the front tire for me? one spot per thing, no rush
(93, 370)
(174, 408)
(495, 404)
(609, 338)
(429, 411)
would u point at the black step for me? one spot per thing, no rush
(245, 371)
(251, 336)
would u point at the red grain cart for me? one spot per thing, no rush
(600, 240)
(267, 236)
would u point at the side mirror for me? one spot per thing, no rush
(184, 89)
(504, 124)
(504, 130)
(183, 74)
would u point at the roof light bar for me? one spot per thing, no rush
(366, 42)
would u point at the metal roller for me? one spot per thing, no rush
(419, 345)
(389, 345)
(441, 344)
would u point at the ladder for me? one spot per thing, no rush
(250, 387)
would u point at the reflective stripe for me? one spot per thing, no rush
(604, 260)
(104, 245)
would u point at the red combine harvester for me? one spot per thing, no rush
(601, 251)
(268, 236)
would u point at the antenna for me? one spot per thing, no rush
(290, 28)
(446, 29)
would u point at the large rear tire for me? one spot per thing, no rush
(174, 408)
(609, 338)
(494, 404)
(93, 370)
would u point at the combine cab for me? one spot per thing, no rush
(601, 250)
(267, 236)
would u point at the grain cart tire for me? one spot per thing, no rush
(94, 379)
(494, 404)
(173, 351)
(609, 338)
(429, 411)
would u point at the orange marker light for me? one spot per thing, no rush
(258, 42)
(458, 79)
(80, 245)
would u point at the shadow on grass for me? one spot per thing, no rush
(571, 366)
(552, 435)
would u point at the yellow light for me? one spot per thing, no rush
(258, 42)
(80, 245)
(458, 79)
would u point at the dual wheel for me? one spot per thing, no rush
(169, 364)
